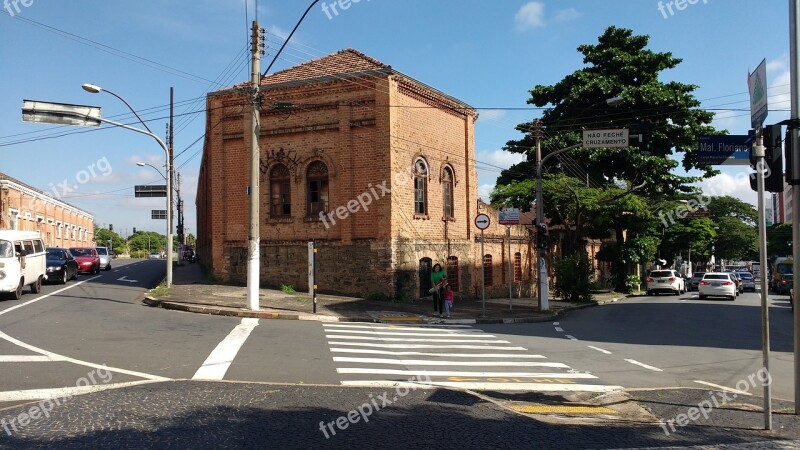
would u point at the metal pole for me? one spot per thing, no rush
(510, 272)
(254, 244)
(758, 151)
(794, 27)
(483, 278)
(314, 275)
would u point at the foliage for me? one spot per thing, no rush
(147, 241)
(696, 234)
(103, 235)
(287, 289)
(191, 240)
(572, 278)
(735, 240)
(730, 207)
(779, 240)
(632, 283)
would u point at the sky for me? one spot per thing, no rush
(487, 54)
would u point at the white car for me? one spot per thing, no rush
(717, 284)
(105, 258)
(665, 281)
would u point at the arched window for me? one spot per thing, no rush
(487, 270)
(452, 272)
(518, 267)
(317, 179)
(280, 199)
(447, 192)
(420, 187)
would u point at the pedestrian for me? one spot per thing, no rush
(438, 278)
(448, 300)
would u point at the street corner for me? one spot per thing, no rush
(397, 317)
(578, 407)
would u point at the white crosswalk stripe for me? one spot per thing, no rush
(430, 356)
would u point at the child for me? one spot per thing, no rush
(448, 300)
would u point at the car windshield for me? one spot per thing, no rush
(101, 251)
(81, 252)
(784, 268)
(746, 276)
(55, 254)
(6, 249)
(698, 274)
(661, 273)
(716, 276)
(787, 276)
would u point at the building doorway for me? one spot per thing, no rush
(425, 267)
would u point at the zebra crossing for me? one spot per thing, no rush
(458, 356)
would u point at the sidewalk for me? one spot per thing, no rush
(191, 292)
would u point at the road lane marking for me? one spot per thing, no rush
(388, 339)
(423, 362)
(27, 358)
(482, 386)
(571, 337)
(458, 346)
(78, 361)
(450, 355)
(723, 388)
(458, 373)
(633, 361)
(47, 295)
(559, 329)
(401, 333)
(42, 394)
(334, 327)
(555, 324)
(220, 359)
(599, 349)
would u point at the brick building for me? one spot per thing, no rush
(375, 166)
(23, 207)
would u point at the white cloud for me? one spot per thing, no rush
(484, 190)
(531, 15)
(500, 158)
(565, 15)
(492, 114)
(779, 87)
(735, 185)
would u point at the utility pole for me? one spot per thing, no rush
(172, 164)
(254, 241)
(541, 291)
(794, 50)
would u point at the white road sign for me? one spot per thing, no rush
(482, 221)
(605, 138)
(757, 82)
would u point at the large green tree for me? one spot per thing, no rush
(103, 235)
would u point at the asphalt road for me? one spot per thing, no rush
(95, 334)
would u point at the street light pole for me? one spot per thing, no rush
(96, 89)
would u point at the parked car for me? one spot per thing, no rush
(739, 281)
(88, 259)
(786, 284)
(155, 255)
(748, 281)
(717, 284)
(105, 257)
(695, 280)
(665, 280)
(23, 261)
(61, 265)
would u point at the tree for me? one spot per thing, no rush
(730, 207)
(735, 239)
(103, 235)
(147, 241)
(191, 240)
(779, 240)
(693, 234)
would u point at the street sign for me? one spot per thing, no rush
(150, 191)
(158, 214)
(605, 138)
(725, 150)
(60, 113)
(482, 221)
(509, 216)
(757, 82)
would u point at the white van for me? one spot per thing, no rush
(23, 261)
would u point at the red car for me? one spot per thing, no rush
(88, 259)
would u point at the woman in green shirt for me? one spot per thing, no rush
(438, 277)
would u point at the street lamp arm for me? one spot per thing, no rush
(132, 110)
(557, 152)
(138, 130)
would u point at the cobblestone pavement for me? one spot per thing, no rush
(186, 414)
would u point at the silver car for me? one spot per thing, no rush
(718, 284)
(105, 258)
(748, 280)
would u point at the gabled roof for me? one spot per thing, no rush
(342, 62)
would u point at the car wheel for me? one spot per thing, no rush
(649, 293)
(75, 274)
(732, 298)
(64, 275)
(17, 294)
(36, 286)
(108, 267)
(703, 297)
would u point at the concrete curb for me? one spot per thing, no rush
(221, 311)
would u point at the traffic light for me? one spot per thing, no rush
(134, 230)
(791, 178)
(111, 227)
(541, 236)
(773, 156)
(645, 136)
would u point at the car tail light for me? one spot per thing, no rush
(783, 281)
(672, 279)
(727, 283)
(649, 280)
(704, 283)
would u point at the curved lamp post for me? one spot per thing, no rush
(94, 89)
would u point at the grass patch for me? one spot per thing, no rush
(287, 289)
(160, 291)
